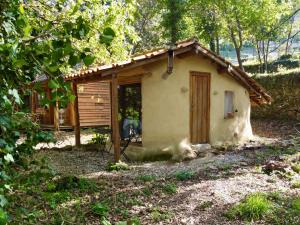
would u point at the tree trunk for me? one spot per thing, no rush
(212, 44)
(237, 47)
(259, 55)
(218, 44)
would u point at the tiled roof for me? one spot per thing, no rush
(257, 93)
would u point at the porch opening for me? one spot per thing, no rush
(130, 112)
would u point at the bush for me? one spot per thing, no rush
(254, 207)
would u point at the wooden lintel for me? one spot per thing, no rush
(114, 114)
(76, 116)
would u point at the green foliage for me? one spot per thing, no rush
(184, 175)
(253, 207)
(296, 204)
(72, 183)
(173, 20)
(56, 198)
(296, 184)
(117, 166)
(99, 139)
(48, 39)
(101, 209)
(147, 191)
(158, 215)
(170, 188)
(147, 178)
(296, 167)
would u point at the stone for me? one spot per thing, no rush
(201, 147)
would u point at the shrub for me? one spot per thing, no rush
(184, 175)
(254, 207)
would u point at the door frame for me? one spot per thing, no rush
(205, 74)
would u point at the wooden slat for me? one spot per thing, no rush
(92, 111)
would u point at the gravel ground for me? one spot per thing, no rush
(221, 180)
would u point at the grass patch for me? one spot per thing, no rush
(253, 207)
(147, 191)
(184, 175)
(158, 215)
(170, 188)
(72, 183)
(117, 166)
(296, 184)
(56, 198)
(101, 209)
(273, 208)
(296, 167)
(146, 178)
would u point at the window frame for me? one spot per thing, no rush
(229, 99)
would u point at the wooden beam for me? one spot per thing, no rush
(76, 116)
(115, 121)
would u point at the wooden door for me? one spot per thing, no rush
(199, 107)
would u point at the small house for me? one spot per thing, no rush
(185, 93)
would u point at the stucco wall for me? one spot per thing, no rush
(166, 104)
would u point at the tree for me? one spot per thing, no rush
(173, 21)
(206, 22)
(147, 24)
(268, 25)
(51, 38)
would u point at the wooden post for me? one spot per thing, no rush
(115, 121)
(33, 104)
(56, 116)
(51, 108)
(76, 116)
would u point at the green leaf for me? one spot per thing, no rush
(3, 217)
(53, 69)
(107, 36)
(14, 93)
(73, 60)
(53, 84)
(9, 158)
(21, 9)
(88, 60)
(72, 98)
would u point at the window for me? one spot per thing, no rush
(228, 104)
